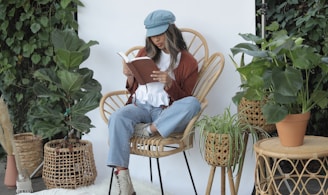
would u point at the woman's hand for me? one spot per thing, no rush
(126, 70)
(163, 77)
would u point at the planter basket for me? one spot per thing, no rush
(30, 152)
(217, 149)
(68, 167)
(252, 111)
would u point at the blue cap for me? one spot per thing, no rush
(157, 22)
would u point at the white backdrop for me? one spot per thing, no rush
(118, 25)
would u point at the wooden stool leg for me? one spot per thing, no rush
(210, 180)
(231, 182)
(237, 182)
(223, 173)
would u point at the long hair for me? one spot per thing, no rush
(174, 43)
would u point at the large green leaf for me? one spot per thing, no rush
(71, 82)
(249, 49)
(88, 102)
(42, 91)
(287, 82)
(81, 123)
(46, 74)
(274, 113)
(305, 58)
(69, 59)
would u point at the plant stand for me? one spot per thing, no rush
(234, 185)
(68, 164)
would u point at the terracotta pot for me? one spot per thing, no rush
(291, 130)
(11, 172)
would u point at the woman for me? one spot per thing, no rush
(152, 108)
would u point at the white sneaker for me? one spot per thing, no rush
(124, 182)
(141, 131)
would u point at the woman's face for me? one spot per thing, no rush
(159, 41)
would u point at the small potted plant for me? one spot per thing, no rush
(66, 93)
(222, 138)
(280, 72)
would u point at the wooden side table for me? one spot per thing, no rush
(294, 170)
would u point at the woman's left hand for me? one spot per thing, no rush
(163, 77)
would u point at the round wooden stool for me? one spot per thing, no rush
(292, 169)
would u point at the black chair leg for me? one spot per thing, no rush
(160, 176)
(192, 180)
(111, 182)
(150, 170)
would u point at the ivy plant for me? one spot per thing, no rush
(25, 46)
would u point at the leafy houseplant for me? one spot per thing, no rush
(280, 72)
(66, 92)
(232, 126)
(25, 47)
(305, 19)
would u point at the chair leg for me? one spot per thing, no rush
(159, 175)
(150, 170)
(192, 180)
(111, 182)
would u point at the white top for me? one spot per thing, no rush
(154, 93)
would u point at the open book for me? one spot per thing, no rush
(141, 67)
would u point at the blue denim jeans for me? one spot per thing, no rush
(167, 120)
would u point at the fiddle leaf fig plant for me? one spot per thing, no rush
(66, 92)
(280, 72)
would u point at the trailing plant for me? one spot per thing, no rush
(235, 126)
(67, 91)
(25, 46)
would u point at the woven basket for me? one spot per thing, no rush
(217, 149)
(253, 113)
(30, 151)
(68, 167)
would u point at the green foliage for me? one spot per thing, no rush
(66, 92)
(25, 46)
(235, 126)
(306, 19)
(281, 72)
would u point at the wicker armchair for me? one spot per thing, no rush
(157, 146)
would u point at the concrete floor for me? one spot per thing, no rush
(37, 183)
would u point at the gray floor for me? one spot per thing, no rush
(37, 183)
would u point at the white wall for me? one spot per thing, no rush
(118, 25)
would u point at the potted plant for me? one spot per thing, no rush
(25, 47)
(280, 72)
(223, 141)
(66, 93)
(251, 109)
(222, 138)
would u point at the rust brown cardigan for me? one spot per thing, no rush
(186, 75)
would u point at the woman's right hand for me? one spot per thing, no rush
(126, 71)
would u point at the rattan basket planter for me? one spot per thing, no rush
(217, 150)
(252, 112)
(68, 167)
(29, 148)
